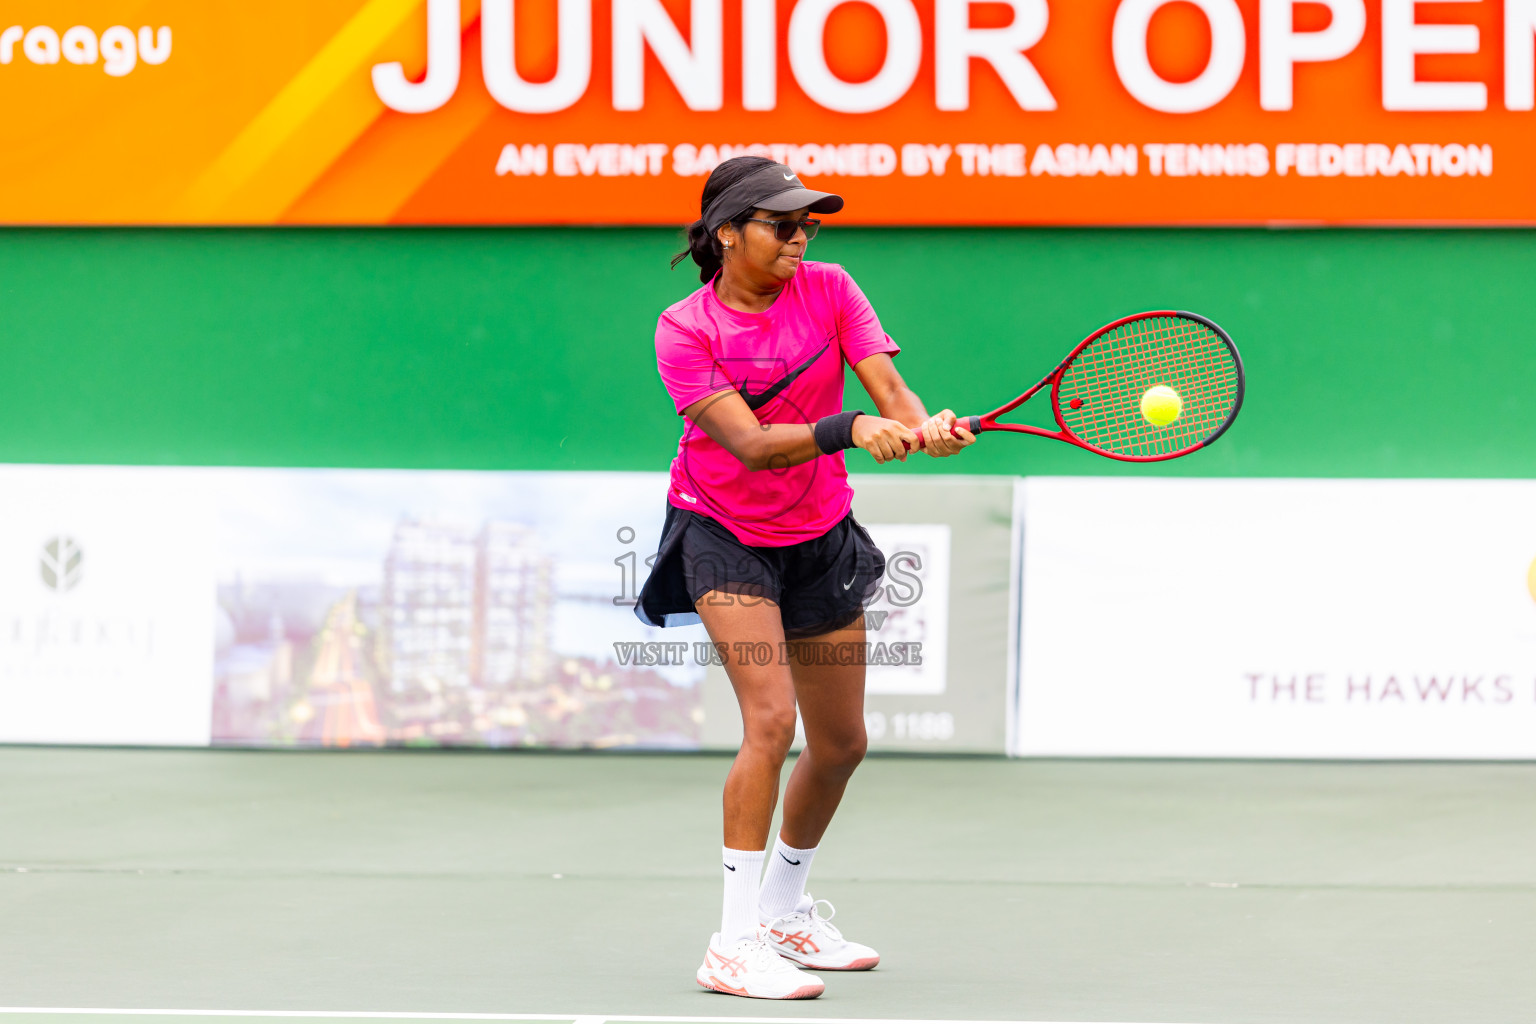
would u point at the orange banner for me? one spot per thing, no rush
(920, 111)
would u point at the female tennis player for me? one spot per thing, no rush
(759, 544)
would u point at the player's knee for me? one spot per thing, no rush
(772, 730)
(842, 754)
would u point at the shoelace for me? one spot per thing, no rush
(817, 922)
(761, 956)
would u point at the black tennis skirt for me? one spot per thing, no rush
(820, 585)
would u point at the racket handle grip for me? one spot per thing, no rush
(971, 423)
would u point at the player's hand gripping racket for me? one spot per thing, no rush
(1145, 388)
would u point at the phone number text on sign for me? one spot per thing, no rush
(934, 726)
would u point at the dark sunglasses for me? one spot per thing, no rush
(784, 230)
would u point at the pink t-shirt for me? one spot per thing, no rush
(787, 362)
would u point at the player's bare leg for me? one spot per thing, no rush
(738, 961)
(766, 695)
(831, 699)
(828, 671)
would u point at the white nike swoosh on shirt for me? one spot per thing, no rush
(850, 582)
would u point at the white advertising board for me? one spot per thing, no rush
(325, 607)
(912, 609)
(1277, 618)
(106, 605)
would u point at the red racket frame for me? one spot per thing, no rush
(988, 421)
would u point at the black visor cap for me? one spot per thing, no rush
(774, 187)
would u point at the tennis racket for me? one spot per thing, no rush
(1098, 390)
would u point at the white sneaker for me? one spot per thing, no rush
(811, 940)
(752, 968)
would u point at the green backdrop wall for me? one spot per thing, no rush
(1369, 353)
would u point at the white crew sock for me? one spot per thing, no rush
(784, 885)
(738, 917)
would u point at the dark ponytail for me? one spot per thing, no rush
(703, 243)
(704, 247)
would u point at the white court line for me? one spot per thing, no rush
(574, 1018)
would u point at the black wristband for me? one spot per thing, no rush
(834, 433)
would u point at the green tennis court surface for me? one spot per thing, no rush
(561, 888)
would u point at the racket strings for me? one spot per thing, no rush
(1119, 374)
(1119, 425)
(1191, 377)
(1111, 375)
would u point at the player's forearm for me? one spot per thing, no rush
(901, 403)
(776, 446)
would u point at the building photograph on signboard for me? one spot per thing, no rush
(950, 511)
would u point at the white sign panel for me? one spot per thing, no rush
(106, 605)
(1278, 618)
(912, 610)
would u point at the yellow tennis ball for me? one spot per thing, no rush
(1160, 406)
